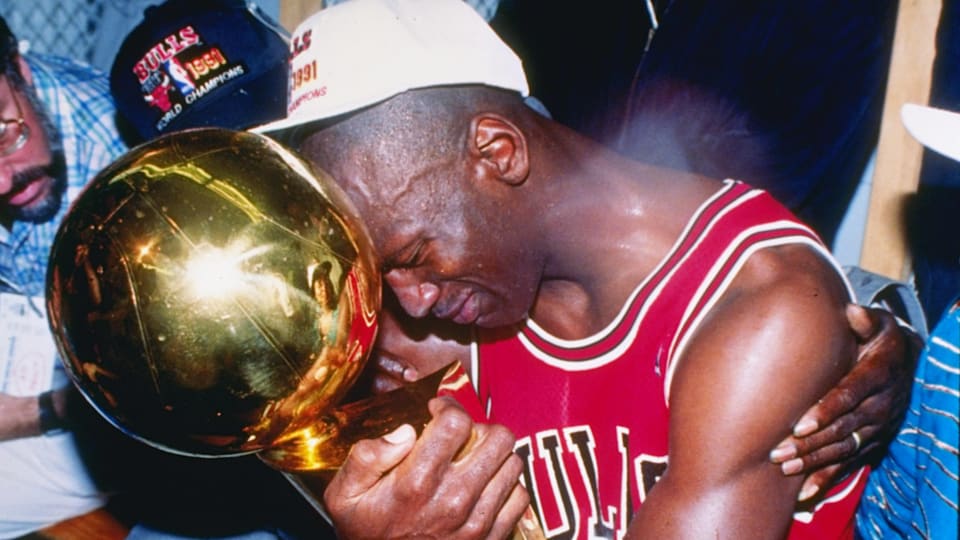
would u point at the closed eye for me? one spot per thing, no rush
(408, 258)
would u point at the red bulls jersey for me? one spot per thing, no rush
(591, 415)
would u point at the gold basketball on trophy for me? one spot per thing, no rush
(210, 293)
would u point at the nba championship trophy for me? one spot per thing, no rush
(211, 295)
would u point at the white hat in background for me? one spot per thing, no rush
(361, 52)
(937, 129)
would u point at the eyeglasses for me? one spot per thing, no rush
(13, 132)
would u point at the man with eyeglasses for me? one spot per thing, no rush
(57, 132)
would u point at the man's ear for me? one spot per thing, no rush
(500, 147)
(25, 70)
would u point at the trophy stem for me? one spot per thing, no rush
(323, 445)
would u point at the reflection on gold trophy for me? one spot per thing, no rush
(212, 295)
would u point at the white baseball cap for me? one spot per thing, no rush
(361, 52)
(937, 129)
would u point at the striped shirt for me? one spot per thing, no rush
(914, 491)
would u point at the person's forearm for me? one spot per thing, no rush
(19, 417)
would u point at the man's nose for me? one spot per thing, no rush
(416, 297)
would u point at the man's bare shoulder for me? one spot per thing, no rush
(775, 341)
(792, 291)
(778, 333)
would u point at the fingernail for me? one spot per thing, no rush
(807, 492)
(792, 467)
(804, 427)
(401, 434)
(783, 453)
(411, 374)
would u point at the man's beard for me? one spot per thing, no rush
(45, 209)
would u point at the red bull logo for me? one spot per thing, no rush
(163, 51)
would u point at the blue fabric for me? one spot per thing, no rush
(145, 532)
(914, 491)
(77, 100)
(782, 94)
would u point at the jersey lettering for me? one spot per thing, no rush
(524, 449)
(580, 443)
(559, 499)
(550, 452)
(649, 470)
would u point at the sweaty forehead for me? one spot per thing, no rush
(370, 178)
(377, 186)
(349, 162)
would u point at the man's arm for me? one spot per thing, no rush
(776, 342)
(870, 401)
(20, 416)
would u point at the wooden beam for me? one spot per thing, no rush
(899, 156)
(293, 12)
(99, 524)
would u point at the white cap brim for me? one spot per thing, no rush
(937, 129)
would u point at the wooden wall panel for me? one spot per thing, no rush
(293, 12)
(898, 154)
